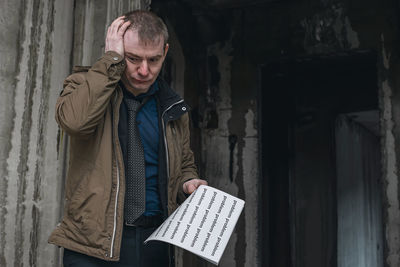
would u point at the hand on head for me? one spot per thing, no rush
(115, 35)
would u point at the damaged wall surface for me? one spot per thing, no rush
(225, 136)
(35, 54)
(224, 46)
(218, 49)
(39, 41)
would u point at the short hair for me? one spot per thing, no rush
(149, 26)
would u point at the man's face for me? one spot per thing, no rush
(143, 62)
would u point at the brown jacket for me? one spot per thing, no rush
(88, 110)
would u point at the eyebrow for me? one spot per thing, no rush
(134, 55)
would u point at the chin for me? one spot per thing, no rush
(142, 87)
(139, 87)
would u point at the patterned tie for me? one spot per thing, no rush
(135, 169)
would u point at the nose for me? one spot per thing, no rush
(143, 68)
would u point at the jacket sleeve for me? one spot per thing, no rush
(189, 169)
(86, 95)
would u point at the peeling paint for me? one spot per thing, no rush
(392, 227)
(351, 35)
(251, 130)
(251, 185)
(328, 31)
(241, 246)
(241, 250)
(390, 174)
(237, 253)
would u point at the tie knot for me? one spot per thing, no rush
(132, 104)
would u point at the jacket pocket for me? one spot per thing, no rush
(85, 206)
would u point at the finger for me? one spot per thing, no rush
(199, 182)
(115, 27)
(116, 24)
(118, 19)
(122, 29)
(187, 187)
(191, 188)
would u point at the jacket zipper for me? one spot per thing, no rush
(116, 197)
(167, 157)
(164, 134)
(115, 209)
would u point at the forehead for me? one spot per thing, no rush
(133, 45)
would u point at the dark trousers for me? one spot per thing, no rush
(133, 252)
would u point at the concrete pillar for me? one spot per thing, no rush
(92, 18)
(39, 41)
(36, 38)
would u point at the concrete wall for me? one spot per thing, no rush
(40, 40)
(35, 51)
(91, 20)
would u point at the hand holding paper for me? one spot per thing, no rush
(203, 223)
(191, 185)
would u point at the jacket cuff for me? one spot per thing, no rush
(113, 57)
(113, 62)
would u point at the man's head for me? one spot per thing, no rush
(150, 27)
(145, 48)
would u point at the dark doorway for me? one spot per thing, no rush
(301, 102)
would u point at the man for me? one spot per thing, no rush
(130, 161)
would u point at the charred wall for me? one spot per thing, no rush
(224, 47)
(218, 48)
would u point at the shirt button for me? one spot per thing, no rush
(115, 58)
(184, 108)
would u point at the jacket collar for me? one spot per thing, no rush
(166, 95)
(171, 104)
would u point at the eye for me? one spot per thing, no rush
(134, 59)
(154, 59)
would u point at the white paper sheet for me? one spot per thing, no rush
(203, 223)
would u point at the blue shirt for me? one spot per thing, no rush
(147, 121)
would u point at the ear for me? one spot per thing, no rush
(166, 47)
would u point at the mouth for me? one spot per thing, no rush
(139, 81)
